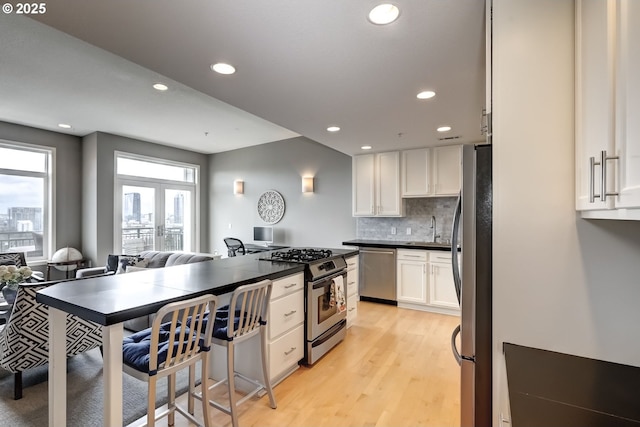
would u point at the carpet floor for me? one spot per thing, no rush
(84, 394)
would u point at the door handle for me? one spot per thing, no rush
(454, 250)
(454, 348)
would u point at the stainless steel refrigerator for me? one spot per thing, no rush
(472, 227)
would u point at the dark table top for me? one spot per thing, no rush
(399, 244)
(108, 300)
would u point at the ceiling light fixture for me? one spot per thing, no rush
(384, 14)
(223, 68)
(64, 126)
(366, 147)
(426, 94)
(333, 128)
(161, 87)
(444, 129)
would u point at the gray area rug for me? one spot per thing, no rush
(84, 394)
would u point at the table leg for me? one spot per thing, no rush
(112, 374)
(57, 367)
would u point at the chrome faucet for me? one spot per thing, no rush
(435, 236)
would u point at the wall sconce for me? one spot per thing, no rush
(238, 186)
(307, 184)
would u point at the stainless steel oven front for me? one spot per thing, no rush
(326, 315)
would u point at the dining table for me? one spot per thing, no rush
(111, 300)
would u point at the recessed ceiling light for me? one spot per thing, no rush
(426, 94)
(333, 128)
(384, 14)
(64, 126)
(366, 147)
(160, 87)
(223, 68)
(444, 129)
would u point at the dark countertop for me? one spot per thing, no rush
(399, 244)
(108, 300)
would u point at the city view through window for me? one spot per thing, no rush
(158, 210)
(23, 200)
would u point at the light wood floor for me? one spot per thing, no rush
(395, 368)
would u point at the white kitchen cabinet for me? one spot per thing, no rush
(411, 271)
(416, 173)
(425, 281)
(285, 336)
(447, 170)
(428, 172)
(352, 289)
(607, 107)
(376, 185)
(442, 291)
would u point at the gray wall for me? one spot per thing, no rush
(68, 187)
(418, 214)
(322, 218)
(98, 185)
(561, 283)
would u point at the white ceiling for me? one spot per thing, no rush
(302, 65)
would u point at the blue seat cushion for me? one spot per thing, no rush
(136, 348)
(221, 322)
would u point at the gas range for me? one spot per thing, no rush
(319, 262)
(325, 297)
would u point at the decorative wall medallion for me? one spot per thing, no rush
(271, 206)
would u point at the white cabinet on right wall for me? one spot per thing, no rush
(607, 109)
(428, 172)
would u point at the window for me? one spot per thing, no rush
(155, 205)
(26, 199)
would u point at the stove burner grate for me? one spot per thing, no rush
(301, 255)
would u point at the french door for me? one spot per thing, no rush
(155, 216)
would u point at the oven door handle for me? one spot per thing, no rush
(320, 282)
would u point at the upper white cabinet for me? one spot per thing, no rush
(376, 185)
(447, 170)
(428, 172)
(607, 101)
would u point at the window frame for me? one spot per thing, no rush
(48, 205)
(123, 179)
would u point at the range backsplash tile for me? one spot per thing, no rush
(418, 218)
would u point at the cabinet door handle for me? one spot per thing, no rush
(413, 256)
(592, 184)
(603, 170)
(286, 353)
(352, 308)
(351, 283)
(290, 286)
(290, 313)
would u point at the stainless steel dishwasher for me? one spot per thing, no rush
(378, 275)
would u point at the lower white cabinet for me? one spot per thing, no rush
(352, 289)
(442, 290)
(285, 335)
(411, 271)
(425, 281)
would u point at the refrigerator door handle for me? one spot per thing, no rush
(454, 349)
(454, 247)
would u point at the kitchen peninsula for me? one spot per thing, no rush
(111, 300)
